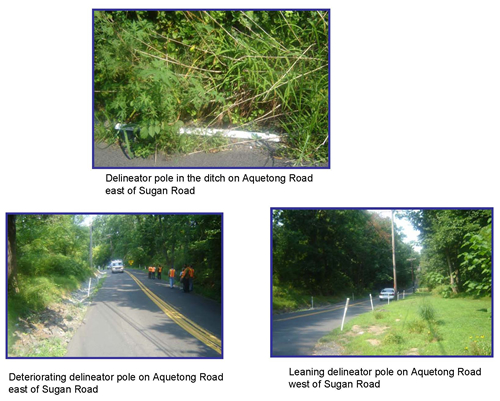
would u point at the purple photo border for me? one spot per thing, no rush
(384, 356)
(113, 213)
(215, 9)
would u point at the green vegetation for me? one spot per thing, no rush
(288, 299)
(420, 325)
(456, 254)
(48, 257)
(255, 69)
(51, 259)
(50, 347)
(333, 254)
(163, 239)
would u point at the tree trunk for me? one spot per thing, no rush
(452, 273)
(11, 254)
(172, 258)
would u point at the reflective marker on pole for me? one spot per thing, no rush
(371, 301)
(345, 311)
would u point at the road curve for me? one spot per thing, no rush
(296, 333)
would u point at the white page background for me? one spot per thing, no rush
(414, 123)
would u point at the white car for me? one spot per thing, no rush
(116, 266)
(387, 293)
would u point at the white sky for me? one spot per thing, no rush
(405, 225)
(88, 219)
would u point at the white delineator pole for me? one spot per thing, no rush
(403, 294)
(88, 291)
(312, 303)
(345, 311)
(371, 301)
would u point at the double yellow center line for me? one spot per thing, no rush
(191, 327)
(319, 312)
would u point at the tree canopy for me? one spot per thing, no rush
(336, 252)
(49, 254)
(171, 240)
(456, 254)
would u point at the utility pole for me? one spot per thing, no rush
(412, 275)
(394, 255)
(90, 250)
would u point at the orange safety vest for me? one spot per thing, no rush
(191, 272)
(153, 269)
(150, 269)
(171, 273)
(160, 269)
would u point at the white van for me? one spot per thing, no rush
(117, 266)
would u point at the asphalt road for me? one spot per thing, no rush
(248, 155)
(145, 318)
(296, 333)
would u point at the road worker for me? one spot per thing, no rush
(153, 272)
(185, 278)
(159, 271)
(191, 278)
(150, 270)
(171, 276)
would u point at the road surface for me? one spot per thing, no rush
(296, 333)
(133, 316)
(240, 156)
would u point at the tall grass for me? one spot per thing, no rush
(263, 70)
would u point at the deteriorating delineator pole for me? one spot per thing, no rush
(394, 255)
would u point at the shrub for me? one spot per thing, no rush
(393, 338)
(416, 326)
(444, 290)
(426, 311)
(478, 346)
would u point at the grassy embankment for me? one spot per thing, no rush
(288, 299)
(26, 308)
(420, 325)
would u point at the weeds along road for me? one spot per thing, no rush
(297, 333)
(133, 316)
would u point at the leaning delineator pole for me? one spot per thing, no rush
(345, 311)
(371, 301)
